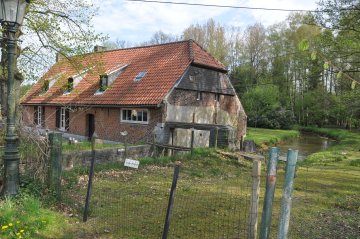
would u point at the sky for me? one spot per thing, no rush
(136, 22)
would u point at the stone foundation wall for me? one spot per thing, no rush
(82, 158)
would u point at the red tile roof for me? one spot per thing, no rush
(164, 65)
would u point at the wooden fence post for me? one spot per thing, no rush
(55, 167)
(216, 137)
(192, 140)
(254, 203)
(171, 202)
(288, 188)
(269, 193)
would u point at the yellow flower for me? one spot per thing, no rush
(18, 234)
(4, 227)
(10, 224)
(22, 231)
(17, 222)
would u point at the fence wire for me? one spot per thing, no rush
(208, 203)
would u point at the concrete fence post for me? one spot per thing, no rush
(269, 193)
(55, 164)
(287, 194)
(254, 203)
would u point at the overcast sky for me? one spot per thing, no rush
(137, 21)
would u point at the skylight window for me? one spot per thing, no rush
(140, 76)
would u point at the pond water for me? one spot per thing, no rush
(306, 143)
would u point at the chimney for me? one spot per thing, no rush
(98, 48)
(59, 57)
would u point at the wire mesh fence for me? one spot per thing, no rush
(209, 202)
(212, 200)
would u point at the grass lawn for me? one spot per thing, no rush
(212, 197)
(86, 145)
(270, 136)
(128, 204)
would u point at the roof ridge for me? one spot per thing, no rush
(146, 46)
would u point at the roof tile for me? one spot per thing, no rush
(163, 63)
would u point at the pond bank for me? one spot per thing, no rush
(267, 137)
(346, 151)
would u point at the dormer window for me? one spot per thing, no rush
(69, 86)
(104, 83)
(45, 86)
(48, 83)
(140, 76)
(107, 78)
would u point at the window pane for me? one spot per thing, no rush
(123, 114)
(139, 116)
(145, 118)
(128, 115)
(133, 115)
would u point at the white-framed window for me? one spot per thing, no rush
(199, 95)
(62, 118)
(39, 115)
(135, 116)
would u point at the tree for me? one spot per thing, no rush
(160, 37)
(259, 101)
(50, 27)
(212, 37)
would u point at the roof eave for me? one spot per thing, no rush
(223, 70)
(95, 105)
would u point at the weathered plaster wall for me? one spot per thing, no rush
(217, 105)
(184, 107)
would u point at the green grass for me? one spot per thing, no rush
(212, 195)
(345, 153)
(270, 136)
(24, 217)
(86, 145)
(325, 199)
(137, 199)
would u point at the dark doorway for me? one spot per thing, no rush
(90, 125)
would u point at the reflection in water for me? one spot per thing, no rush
(307, 144)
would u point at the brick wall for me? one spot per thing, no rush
(107, 123)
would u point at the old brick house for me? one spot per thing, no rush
(160, 92)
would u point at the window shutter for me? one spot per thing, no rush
(35, 115)
(43, 116)
(57, 117)
(67, 119)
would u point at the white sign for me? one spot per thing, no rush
(132, 163)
